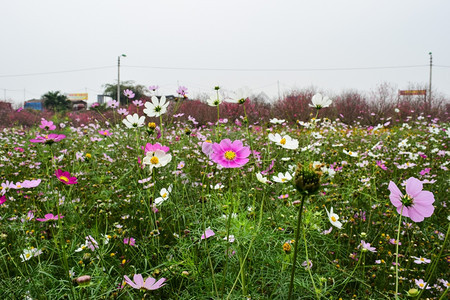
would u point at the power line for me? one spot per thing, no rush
(57, 72)
(223, 69)
(277, 70)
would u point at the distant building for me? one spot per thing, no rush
(78, 104)
(37, 104)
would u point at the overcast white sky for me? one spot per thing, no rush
(49, 38)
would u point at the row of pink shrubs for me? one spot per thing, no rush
(350, 107)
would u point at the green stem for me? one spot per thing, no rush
(161, 126)
(297, 234)
(307, 264)
(435, 263)
(396, 252)
(250, 246)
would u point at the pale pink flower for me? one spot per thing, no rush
(416, 204)
(149, 284)
(208, 233)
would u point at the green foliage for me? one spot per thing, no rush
(56, 101)
(114, 199)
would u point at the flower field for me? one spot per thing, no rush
(228, 209)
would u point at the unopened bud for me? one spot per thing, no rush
(412, 293)
(307, 179)
(83, 280)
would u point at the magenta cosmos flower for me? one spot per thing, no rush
(47, 125)
(230, 154)
(149, 284)
(416, 204)
(152, 148)
(65, 177)
(48, 139)
(49, 217)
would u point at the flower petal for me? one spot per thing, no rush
(413, 186)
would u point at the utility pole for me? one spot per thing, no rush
(118, 77)
(431, 68)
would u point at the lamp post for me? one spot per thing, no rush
(431, 68)
(118, 77)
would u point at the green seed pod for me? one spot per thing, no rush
(307, 179)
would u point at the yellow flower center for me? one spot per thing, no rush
(28, 255)
(283, 141)
(230, 155)
(421, 285)
(64, 178)
(333, 218)
(164, 195)
(88, 155)
(154, 160)
(283, 179)
(152, 125)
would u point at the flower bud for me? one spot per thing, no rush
(307, 179)
(83, 280)
(412, 292)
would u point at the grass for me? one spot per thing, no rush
(109, 203)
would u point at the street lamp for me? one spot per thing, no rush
(118, 77)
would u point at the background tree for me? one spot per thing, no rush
(138, 89)
(56, 101)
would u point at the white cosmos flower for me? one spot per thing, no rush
(282, 177)
(351, 153)
(276, 121)
(156, 107)
(134, 121)
(261, 178)
(286, 141)
(239, 96)
(319, 102)
(164, 195)
(29, 253)
(215, 100)
(156, 159)
(333, 218)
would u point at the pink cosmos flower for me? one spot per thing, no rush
(421, 260)
(138, 103)
(207, 148)
(48, 139)
(2, 199)
(381, 164)
(65, 177)
(425, 171)
(152, 148)
(208, 233)
(416, 204)
(104, 132)
(122, 111)
(421, 284)
(129, 94)
(129, 241)
(26, 184)
(367, 247)
(47, 125)
(112, 103)
(49, 217)
(182, 91)
(230, 154)
(153, 87)
(149, 284)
